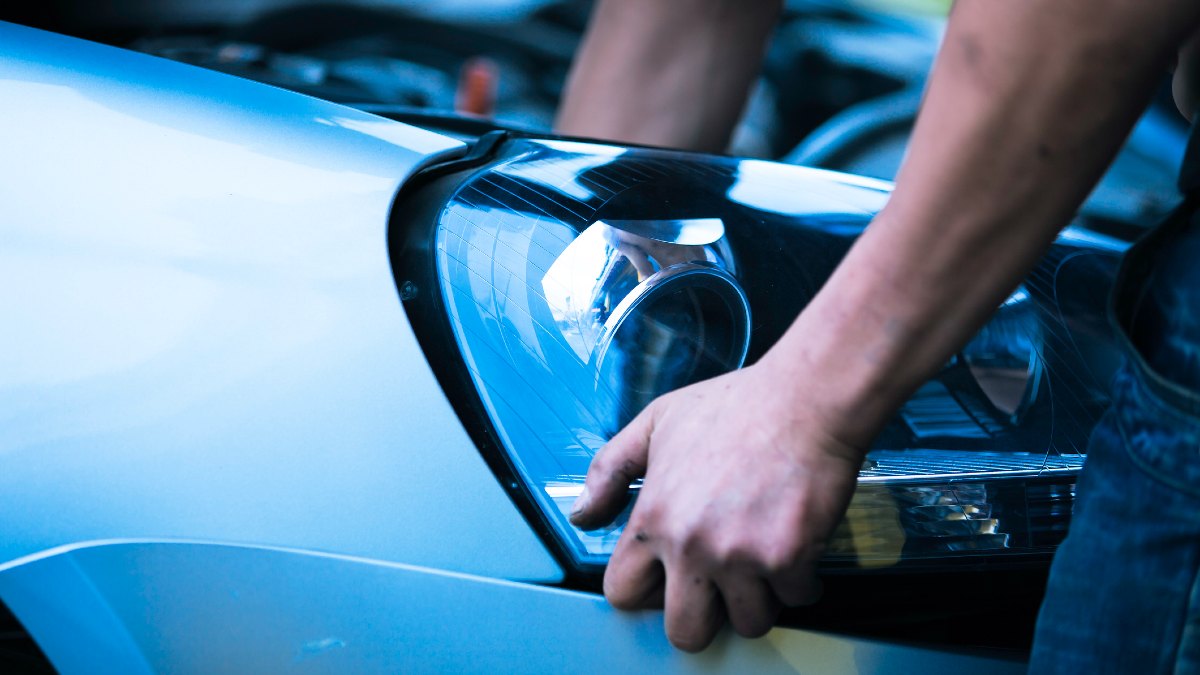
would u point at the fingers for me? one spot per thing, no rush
(620, 461)
(696, 606)
(797, 586)
(750, 604)
(694, 613)
(634, 578)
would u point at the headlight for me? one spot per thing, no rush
(570, 284)
(643, 306)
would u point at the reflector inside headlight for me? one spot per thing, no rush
(581, 281)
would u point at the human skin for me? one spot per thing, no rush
(747, 474)
(673, 73)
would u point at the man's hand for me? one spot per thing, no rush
(747, 474)
(742, 489)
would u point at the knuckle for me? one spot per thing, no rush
(647, 515)
(780, 556)
(760, 553)
(600, 462)
(658, 404)
(675, 526)
(625, 471)
(692, 543)
(733, 550)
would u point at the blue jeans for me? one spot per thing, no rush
(1124, 589)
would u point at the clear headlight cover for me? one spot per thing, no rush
(581, 281)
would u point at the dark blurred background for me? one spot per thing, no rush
(839, 89)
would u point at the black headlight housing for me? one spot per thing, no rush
(557, 287)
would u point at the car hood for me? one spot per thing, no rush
(203, 338)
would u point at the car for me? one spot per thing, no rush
(289, 385)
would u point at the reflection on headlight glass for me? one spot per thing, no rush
(1003, 357)
(583, 281)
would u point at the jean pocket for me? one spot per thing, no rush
(1162, 439)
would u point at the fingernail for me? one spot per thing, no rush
(581, 503)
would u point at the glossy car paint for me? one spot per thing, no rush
(203, 337)
(221, 448)
(196, 608)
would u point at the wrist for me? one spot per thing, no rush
(864, 343)
(823, 378)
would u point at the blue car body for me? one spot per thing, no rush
(221, 446)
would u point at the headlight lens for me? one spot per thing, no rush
(581, 281)
(646, 306)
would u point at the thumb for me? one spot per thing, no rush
(621, 461)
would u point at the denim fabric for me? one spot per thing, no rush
(1123, 594)
(1124, 590)
(1164, 323)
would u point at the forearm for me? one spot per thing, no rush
(1027, 104)
(666, 72)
